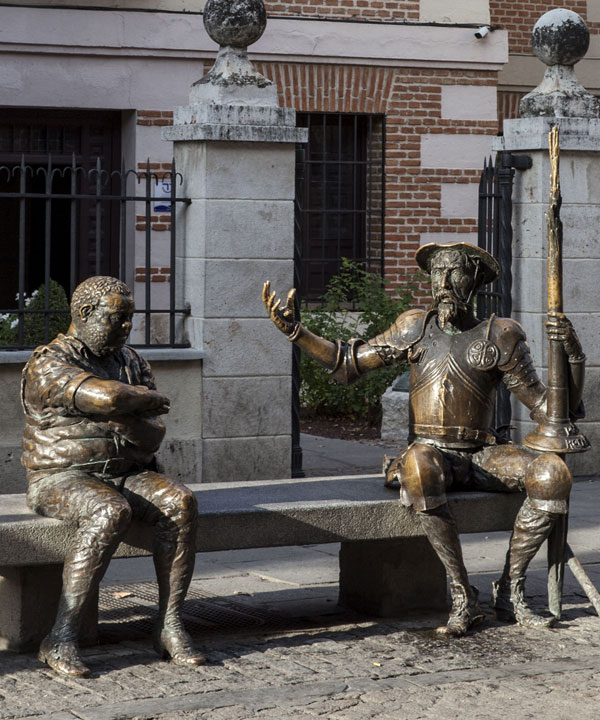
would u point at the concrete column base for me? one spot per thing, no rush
(28, 604)
(386, 578)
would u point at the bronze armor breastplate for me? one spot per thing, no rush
(453, 381)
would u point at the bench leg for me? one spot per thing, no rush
(386, 578)
(28, 604)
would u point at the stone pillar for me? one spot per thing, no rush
(560, 38)
(235, 148)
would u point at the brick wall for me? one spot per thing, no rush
(411, 98)
(154, 117)
(519, 19)
(380, 10)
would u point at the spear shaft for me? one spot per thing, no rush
(556, 433)
(558, 391)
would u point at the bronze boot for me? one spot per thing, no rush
(465, 611)
(63, 657)
(174, 562)
(440, 528)
(532, 527)
(508, 599)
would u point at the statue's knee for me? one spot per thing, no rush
(188, 502)
(548, 483)
(179, 505)
(423, 477)
(114, 518)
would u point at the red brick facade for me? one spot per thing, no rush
(380, 10)
(519, 19)
(154, 117)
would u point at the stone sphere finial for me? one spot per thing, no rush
(233, 79)
(560, 37)
(235, 23)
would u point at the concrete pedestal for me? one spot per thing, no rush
(580, 213)
(387, 578)
(28, 604)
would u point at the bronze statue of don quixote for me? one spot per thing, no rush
(456, 365)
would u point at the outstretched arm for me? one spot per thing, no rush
(345, 361)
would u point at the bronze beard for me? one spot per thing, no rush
(449, 308)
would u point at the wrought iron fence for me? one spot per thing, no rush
(63, 222)
(495, 236)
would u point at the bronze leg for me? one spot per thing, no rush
(171, 507)
(440, 528)
(102, 517)
(425, 475)
(532, 527)
(548, 482)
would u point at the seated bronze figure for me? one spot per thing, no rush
(456, 364)
(92, 429)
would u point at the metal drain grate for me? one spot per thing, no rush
(135, 606)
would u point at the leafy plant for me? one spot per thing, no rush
(377, 310)
(34, 326)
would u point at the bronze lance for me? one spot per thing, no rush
(557, 433)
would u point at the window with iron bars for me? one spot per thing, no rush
(68, 215)
(340, 197)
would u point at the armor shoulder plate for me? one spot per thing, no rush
(506, 333)
(406, 330)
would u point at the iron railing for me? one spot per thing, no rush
(495, 236)
(96, 209)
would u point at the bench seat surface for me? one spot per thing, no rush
(264, 514)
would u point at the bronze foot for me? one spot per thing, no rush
(508, 600)
(176, 644)
(64, 658)
(465, 612)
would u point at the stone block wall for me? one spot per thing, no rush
(580, 214)
(238, 233)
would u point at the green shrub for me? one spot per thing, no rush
(34, 328)
(334, 319)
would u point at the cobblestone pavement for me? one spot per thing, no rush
(335, 665)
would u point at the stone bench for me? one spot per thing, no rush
(386, 564)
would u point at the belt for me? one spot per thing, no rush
(454, 433)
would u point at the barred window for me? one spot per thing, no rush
(340, 191)
(70, 209)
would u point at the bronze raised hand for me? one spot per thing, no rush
(283, 317)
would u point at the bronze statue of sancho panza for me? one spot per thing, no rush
(92, 428)
(456, 364)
